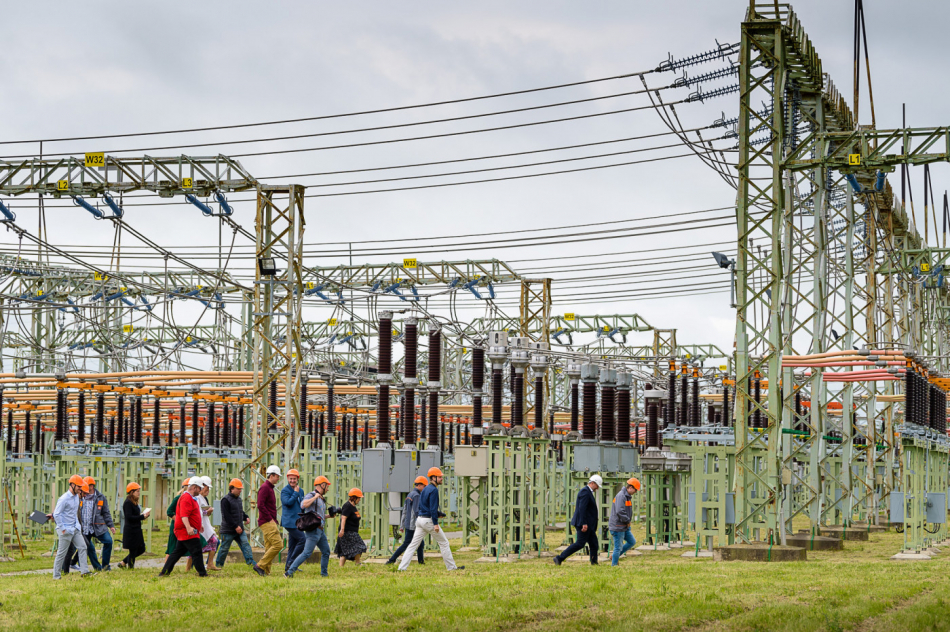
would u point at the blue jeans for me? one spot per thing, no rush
(315, 539)
(295, 543)
(624, 538)
(226, 540)
(106, 539)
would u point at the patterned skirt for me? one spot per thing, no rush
(350, 545)
(212, 545)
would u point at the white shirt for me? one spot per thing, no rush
(206, 529)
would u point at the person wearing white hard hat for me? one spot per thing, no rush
(208, 535)
(584, 521)
(267, 518)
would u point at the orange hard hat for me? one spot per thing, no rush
(184, 483)
(434, 471)
(293, 473)
(421, 480)
(355, 492)
(131, 487)
(236, 482)
(89, 480)
(321, 479)
(635, 482)
(84, 488)
(76, 479)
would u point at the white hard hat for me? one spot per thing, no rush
(273, 469)
(206, 481)
(595, 478)
(195, 480)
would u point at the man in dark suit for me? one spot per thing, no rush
(585, 520)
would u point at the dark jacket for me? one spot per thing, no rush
(232, 514)
(266, 504)
(410, 511)
(101, 516)
(585, 510)
(132, 538)
(429, 503)
(290, 502)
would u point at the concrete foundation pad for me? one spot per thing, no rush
(844, 533)
(561, 549)
(874, 528)
(698, 555)
(910, 557)
(817, 543)
(632, 553)
(649, 548)
(469, 549)
(931, 551)
(493, 560)
(759, 553)
(374, 560)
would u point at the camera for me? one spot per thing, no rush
(333, 511)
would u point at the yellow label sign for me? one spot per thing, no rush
(342, 363)
(98, 458)
(409, 263)
(309, 285)
(854, 160)
(187, 183)
(187, 338)
(687, 356)
(62, 185)
(606, 327)
(99, 276)
(395, 332)
(723, 367)
(413, 456)
(127, 329)
(224, 460)
(95, 159)
(332, 322)
(925, 267)
(569, 316)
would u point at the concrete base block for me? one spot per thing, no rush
(469, 549)
(817, 543)
(374, 560)
(493, 560)
(910, 557)
(844, 533)
(874, 528)
(632, 553)
(561, 549)
(649, 548)
(698, 555)
(759, 553)
(931, 551)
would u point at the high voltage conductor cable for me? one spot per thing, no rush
(531, 175)
(377, 128)
(474, 158)
(333, 116)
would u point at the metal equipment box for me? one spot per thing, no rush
(471, 461)
(936, 508)
(400, 479)
(395, 508)
(426, 459)
(377, 463)
(897, 507)
(629, 460)
(611, 458)
(588, 457)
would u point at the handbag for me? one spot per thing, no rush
(309, 521)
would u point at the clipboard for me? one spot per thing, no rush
(39, 517)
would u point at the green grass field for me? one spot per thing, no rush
(858, 589)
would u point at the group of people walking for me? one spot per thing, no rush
(82, 516)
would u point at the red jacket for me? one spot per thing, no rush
(187, 508)
(266, 504)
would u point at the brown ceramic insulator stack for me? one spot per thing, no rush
(272, 407)
(240, 427)
(478, 385)
(410, 368)
(226, 426)
(435, 380)
(623, 416)
(575, 406)
(120, 419)
(302, 410)
(589, 426)
(496, 395)
(683, 413)
(694, 406)
(608, 394)
(653, 425)
(156, 422)
(517, 399)
(757, 398)
(356, 431)
(182, 432)
(60, 428)
(331, 413)
(384, 368)
(10, 432)
(171, 426)
(112, 421)
(210, 425)
(80, 417)
(194, 423)
(28, 428)
(539, 402)
(670, 416)
(726, 418)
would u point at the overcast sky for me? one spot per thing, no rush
(107, 67)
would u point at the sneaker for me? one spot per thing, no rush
(74, 567)
(107, 568)
(557, 561)
(288, 575)
(259, 571)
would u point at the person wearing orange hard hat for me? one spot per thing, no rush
(132, 538)
(290, 497)
(234, 523)
(410, 511)
(349, 543)
(97, 524)
(312, 521)
(427, 523)
(621, 515)
(68, 528)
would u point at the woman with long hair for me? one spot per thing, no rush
(349, 544)
(132, 539)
